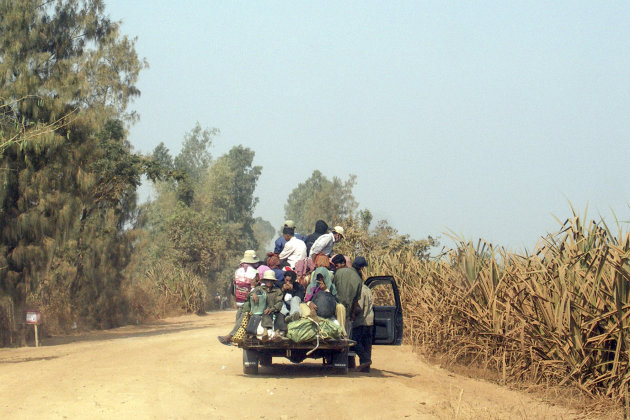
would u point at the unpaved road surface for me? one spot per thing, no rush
(176, 369)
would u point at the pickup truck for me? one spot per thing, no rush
(388, 330)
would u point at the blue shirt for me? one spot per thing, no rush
(281, 241)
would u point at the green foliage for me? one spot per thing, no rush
(68, 179)
(263, 233)
(194, 158)
(228, 188)
(202, 221)
(381, 240)
(192, 162)
(320, 198)
(199, 241)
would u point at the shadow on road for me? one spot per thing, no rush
(313, 370)
(133, 331)
(28, 359)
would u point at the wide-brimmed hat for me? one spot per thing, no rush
(339, 230)
(269, 275)
(249, 257)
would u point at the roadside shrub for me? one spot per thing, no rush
(165, 289)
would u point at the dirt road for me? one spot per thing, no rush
(176, 369)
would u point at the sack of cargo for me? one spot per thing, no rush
(330, 329)
(326, 304)
(302, 331)
(240, 333)
(252, 325)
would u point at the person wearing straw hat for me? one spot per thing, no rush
(272, 316)
(324, 244)
(243, 279)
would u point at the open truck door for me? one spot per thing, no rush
(388, 321)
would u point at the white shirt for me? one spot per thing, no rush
(294, 251)
(323, 244)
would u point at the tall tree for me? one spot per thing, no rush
(205, 230)
(264, 233)
(194, 158)
(193, 161)
(320, 198)
(230, 185)
(65, 74)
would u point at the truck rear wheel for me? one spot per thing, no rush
(250, 362)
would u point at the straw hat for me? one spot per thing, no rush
(269, 275)
(249, 257)
(339, 230)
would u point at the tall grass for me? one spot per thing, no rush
(165, 289)
(558, 316)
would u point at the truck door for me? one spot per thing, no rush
(388, 322)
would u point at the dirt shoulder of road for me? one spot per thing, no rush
(176, 369)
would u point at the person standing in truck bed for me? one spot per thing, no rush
(243, 279)
(348, 283)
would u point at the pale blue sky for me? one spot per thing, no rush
(482, 117)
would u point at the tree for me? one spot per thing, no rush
(68, 176)
(230, 185)
(194, 158)
(380, 240)
(205, 231)
(264, 233)
(320, 198)
(193, 161)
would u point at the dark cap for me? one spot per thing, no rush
(359, 262)
(338, 259)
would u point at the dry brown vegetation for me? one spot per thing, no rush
(558, 316)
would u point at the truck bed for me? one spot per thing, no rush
(251, 343)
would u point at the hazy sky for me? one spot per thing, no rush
(484, 118)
